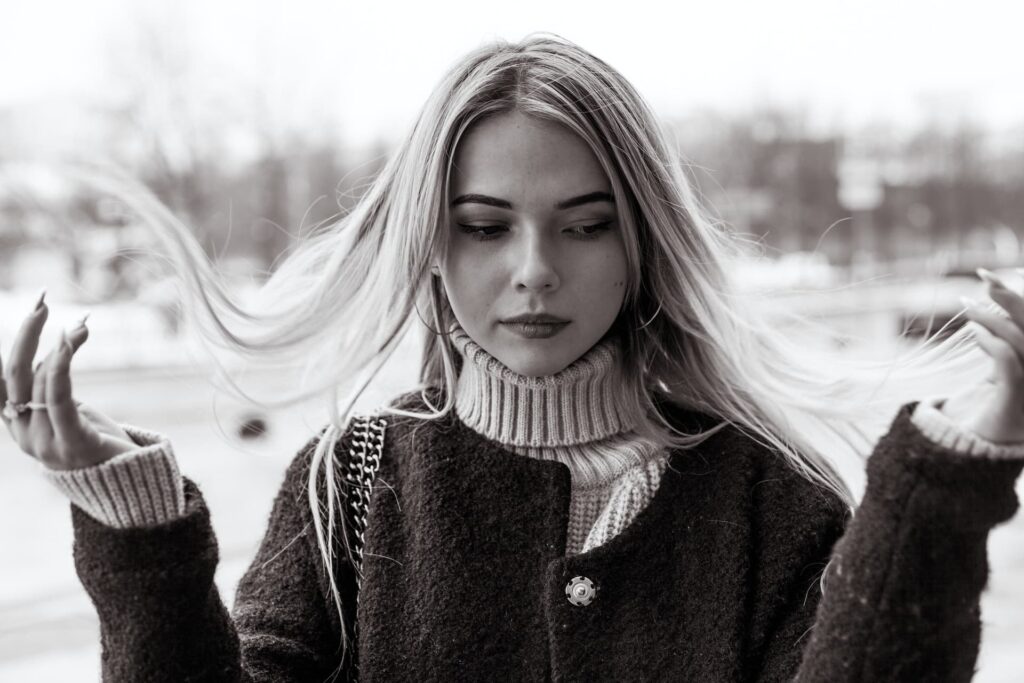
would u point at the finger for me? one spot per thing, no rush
(1009, 370)
(1004, 328)
(64, 416)
(39, 430)
(75, 338)
(1011, 302)
(19, 369)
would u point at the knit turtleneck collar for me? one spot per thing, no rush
(580, 404)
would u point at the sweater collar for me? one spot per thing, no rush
(579, 404)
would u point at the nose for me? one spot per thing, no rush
(536, 268)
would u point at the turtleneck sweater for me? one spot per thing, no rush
(577, 417)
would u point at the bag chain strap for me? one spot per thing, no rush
(365, 451)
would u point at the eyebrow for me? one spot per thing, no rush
(580, 200)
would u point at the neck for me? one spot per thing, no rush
(580, 404)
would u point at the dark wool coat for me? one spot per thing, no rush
(465, 572)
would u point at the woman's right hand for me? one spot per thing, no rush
(67, 434)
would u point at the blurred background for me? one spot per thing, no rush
(876, 144)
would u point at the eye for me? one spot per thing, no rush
(490, 232)
(595, 230)
(478, 232)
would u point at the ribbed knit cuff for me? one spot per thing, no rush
(934, 424)
(141, 487)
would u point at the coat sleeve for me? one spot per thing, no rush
(162, 618)
(904, 577)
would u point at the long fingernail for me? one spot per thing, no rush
(81, 323)
(39, 303)
(990, 277)
(968, 302)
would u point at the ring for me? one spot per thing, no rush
(12, 410)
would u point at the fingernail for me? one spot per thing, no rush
(81, 323)
(39, 303)
(968, 302)
(990, 277)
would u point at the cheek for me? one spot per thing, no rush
(618, 273)
(465, 263)
(603, 282)
(614, 271)
(615, 266)
(471, 283)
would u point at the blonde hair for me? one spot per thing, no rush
(344, 297)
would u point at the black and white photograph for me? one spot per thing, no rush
(529, 341)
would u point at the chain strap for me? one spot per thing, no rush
(365, 451)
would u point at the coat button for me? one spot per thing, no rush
(580, 591)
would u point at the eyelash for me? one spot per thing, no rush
(476, 231)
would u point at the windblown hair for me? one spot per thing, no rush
(344, 297)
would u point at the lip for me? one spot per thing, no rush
(535, 318)
(536, 330)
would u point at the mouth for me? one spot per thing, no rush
(536, 319)
(535, 330)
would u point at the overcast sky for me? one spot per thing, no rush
(364, 69)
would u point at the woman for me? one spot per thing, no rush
(615, 467)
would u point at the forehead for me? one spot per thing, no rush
(517, 157)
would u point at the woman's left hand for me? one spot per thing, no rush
(994, 409)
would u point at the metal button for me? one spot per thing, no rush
(580, 591)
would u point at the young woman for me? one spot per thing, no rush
(615, 468)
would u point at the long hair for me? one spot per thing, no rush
(343, 298)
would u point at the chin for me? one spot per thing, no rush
(535, 364)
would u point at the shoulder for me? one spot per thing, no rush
(405, 432)
(795, 522)
(783, 496)
(397, 428)
(778, 494)
(777, 487)
(736, 463)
